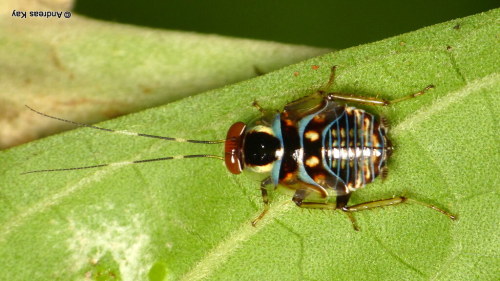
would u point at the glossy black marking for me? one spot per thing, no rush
(291, 142)
(260, 148)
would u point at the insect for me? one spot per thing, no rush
(318, 147)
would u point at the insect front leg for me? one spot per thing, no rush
(265, 199)
(257, 105)
(266, 114)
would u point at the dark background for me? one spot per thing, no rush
(333, 24)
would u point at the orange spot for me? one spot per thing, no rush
(319, 178)
(319, 118)
(315, 67)
(312, 135)
(288, 176)
(312, 161)
(296, 73)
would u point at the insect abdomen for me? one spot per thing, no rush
(355, 148)
(344, 148)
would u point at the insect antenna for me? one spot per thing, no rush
(125, 163)
(123, 132)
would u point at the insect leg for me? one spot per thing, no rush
(385, 123)
(374, 101)
(265, 199)
(341, 204)
(266, 114)
(384, 173)
(392, 202)
(301, 195)
(256, 104)
(331, 79)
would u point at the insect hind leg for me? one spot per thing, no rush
(341, 204)
(375, 101)
(342, 201)
(393, 202)
(301, 195)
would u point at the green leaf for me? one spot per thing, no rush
(90, 70)
(190, 219)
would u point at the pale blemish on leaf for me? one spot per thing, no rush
(127, 244)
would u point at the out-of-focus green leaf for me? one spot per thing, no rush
(90, 70)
